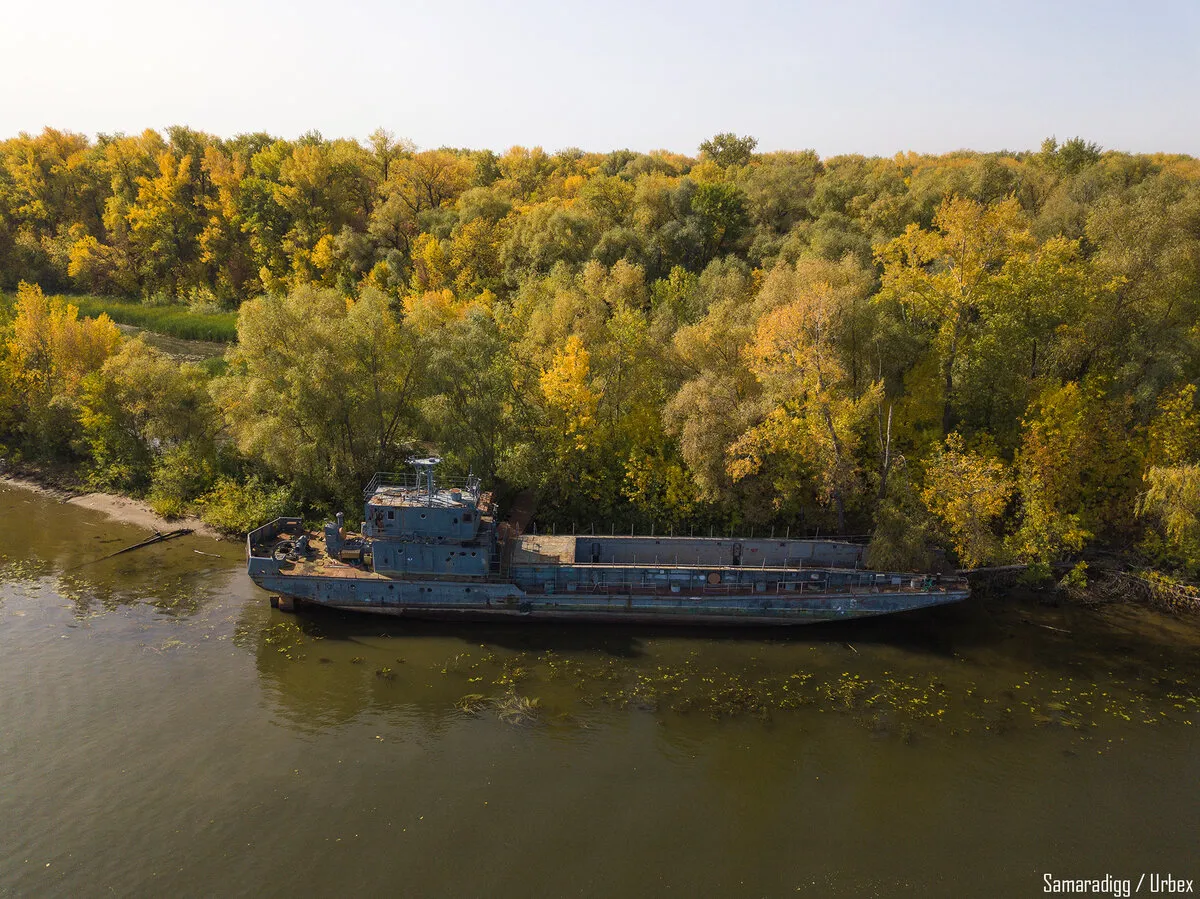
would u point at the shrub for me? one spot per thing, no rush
(235, 508)
(180, 476)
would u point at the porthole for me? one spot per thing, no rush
(422, 516)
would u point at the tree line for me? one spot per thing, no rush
(991, 352)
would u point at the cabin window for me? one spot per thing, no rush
(422, 516)
(391, 514)
(466, 517)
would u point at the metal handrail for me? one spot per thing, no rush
(406, 480)
(271, 528)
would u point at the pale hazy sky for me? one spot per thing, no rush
(869, 77)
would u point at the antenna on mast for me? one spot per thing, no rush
(425, 466)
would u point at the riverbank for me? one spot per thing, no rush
(1108, 584)
(1109, 580)
(119, 508)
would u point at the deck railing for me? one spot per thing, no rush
(269, 531)
(409, 480)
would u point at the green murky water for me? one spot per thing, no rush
(164, 732)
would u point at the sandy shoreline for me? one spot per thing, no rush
(121, 508)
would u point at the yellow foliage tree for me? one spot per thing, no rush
(1173, 494)
(967, 492)
(569, 397)
(1076, 471)
(1172, 478)
(163, 224)
(816, 415)
(98, 267)
(1175, 429)
(50, 353)
(432, 269)
(51, 349)
(433, 309)
(475, 255)
(945, 276)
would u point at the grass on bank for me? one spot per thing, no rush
(176, 321)
(173, 321)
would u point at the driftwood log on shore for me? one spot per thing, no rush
(1011, 569)
(150, 541)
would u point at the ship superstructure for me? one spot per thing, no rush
(432, 549)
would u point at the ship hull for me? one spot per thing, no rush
(474, 601)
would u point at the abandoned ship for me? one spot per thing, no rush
(430, 549)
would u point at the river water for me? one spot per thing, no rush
(163, 731)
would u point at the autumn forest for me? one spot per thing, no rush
(992, 354)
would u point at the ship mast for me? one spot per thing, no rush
(425, 466)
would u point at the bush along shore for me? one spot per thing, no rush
(1105, 579)
(990, 354)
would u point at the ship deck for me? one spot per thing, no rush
(536, 559)
(318, 562)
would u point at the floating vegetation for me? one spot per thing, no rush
(512, 673)
(889, 703)
(905, 703)
(509, 708)
(22, 571)
(167, 645)
(472, 704)
(80, 592)
(285, 637)
(516, 710)
(181, 598)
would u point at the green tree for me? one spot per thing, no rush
(723, 219)
(322, 390)
(727, 149)
(140, 405)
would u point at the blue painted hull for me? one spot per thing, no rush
(466, 599)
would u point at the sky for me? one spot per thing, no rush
(838, 77)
